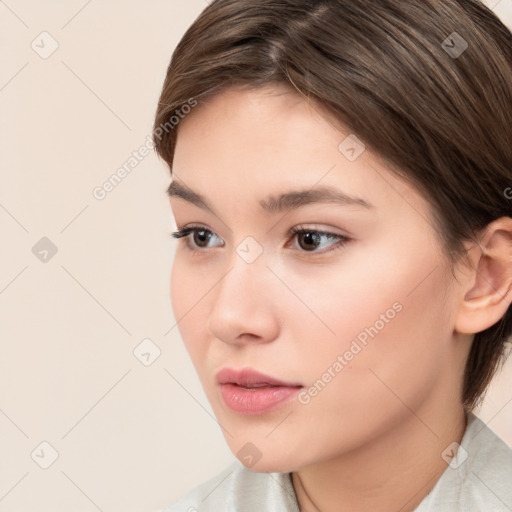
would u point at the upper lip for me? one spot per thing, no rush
(248, 377)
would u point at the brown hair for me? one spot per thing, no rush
(394, 73)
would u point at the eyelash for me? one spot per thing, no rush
(190, 230)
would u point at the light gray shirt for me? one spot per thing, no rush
(477, 479)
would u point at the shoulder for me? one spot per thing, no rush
(479, 477)
(237, 488)
(489, 472)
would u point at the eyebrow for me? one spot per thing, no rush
(272, 205)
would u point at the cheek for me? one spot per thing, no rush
(180, 292)
(387, 327)
(379, 380)
(188, 288)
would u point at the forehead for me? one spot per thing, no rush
(255, 116)
(248, 144)
(260, 132)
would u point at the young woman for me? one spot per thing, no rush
(342, 186)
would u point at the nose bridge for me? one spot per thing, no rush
(242, 283)
(247, 262)
(242, 304)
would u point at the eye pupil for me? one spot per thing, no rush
(311, 240)
(201, 237)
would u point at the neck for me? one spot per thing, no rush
(392, 473)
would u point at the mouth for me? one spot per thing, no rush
(255, 386)
(250, 392)
(249, 378)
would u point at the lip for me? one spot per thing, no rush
(250, 392)
(250, 377)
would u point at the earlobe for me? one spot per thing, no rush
(487, 286)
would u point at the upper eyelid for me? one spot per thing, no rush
(293, 231)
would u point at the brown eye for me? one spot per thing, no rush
(317, 242)
(201, 237)
(309, 240)
(197, 238)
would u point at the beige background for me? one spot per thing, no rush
(129, 437)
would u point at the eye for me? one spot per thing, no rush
(311, 240)
(197, 237)
(308, 240)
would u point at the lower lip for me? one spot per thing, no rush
(256, 400)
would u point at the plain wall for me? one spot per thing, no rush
(129, 437)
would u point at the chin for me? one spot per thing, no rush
(267, 460)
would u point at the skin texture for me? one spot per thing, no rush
(372, 438)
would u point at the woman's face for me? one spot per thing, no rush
(356, 312)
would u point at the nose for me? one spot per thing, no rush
(244, 307)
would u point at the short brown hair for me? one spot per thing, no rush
(426, 84)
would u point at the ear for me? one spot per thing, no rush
(487, 284)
